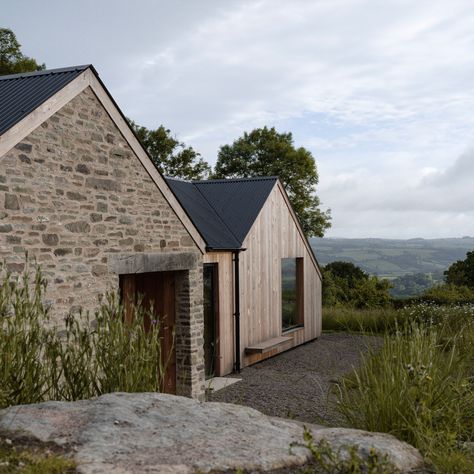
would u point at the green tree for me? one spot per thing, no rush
(172, 157)
(461, 273)
(265, 152)
(449, 293)
(414, 284)
(12, 60)
(345, 284)
(347, 271)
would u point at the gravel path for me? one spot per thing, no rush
(296, 384)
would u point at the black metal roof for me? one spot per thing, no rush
(20, 94)
(223, 210)
(208, 222)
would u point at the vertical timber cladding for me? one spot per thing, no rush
(274, 236)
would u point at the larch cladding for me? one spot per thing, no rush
(274, 236)
(72, 193)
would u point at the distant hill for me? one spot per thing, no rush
(394, 258)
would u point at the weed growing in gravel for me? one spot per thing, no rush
(420, 386)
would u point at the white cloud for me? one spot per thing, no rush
(381, 92)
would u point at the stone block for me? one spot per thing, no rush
(78, 227)
(50, 239)
(103, 184)
(12, 202)
(82, 168)
(24, 147)
(74, 196)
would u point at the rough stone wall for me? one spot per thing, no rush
(189, 334)
(72, 194)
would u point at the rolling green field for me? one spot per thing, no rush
(390, 259)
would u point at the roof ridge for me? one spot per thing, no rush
(175, 178)
(46, 72)
(232, 180)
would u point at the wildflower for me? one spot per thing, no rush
(154, 321)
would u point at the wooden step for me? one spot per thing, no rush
(268, 345)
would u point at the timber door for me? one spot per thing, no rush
(157, 290)
(210, 319)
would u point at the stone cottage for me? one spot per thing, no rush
(80, 194)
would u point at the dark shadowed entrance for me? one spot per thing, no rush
(157, 290)
(210, 319)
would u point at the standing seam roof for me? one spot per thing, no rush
(20, 94)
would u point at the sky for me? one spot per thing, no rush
(381, 92)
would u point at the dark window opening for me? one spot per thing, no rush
(292, 293)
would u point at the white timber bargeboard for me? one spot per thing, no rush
(48, 108)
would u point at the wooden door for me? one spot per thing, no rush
(157, 291)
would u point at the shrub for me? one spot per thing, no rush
(447, 294)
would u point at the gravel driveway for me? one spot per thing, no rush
(296, 384)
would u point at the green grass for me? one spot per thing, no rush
(32, 459)
(420, 385)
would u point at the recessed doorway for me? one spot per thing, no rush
(211, 326)
(157, 290)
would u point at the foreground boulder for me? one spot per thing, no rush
(151, 432)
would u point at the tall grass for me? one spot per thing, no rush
(24, 340)
(420, 386)
(94, 357)
(374, 320)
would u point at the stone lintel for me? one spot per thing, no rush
(152, 262)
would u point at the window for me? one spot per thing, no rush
(291, 293)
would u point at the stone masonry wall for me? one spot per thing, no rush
(189, 334)
(72, 194)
